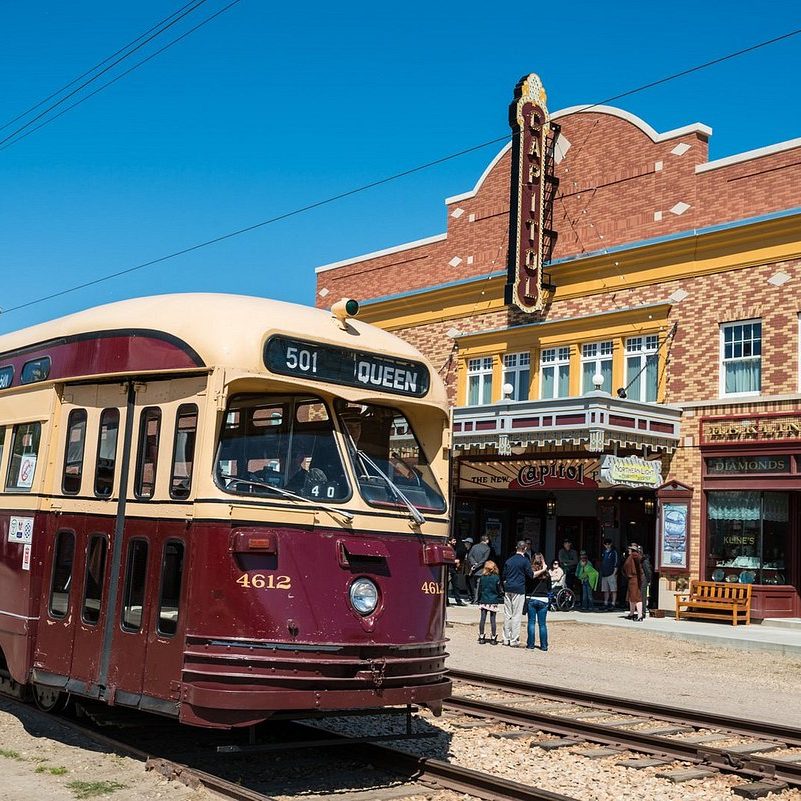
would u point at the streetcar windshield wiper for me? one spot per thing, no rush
(414, 512)
(348, 516)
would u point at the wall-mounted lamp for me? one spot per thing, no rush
(550, 505)
(648, 506)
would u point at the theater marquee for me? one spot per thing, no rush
(531, 196)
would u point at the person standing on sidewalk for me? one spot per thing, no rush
(489, 596)
(538, 604)
(476, 560)
(610, 562)
(453, 574)
(588, 576)
(632, 570)
(515, 572)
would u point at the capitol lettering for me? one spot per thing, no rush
(535, 475)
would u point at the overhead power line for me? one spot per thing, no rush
(120, 76)
(14, 134)
(93, 69)
(382, 181)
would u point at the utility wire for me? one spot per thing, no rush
(120, 76)
(382, 181)
(232, 234)
(92, 69)
(113, 64)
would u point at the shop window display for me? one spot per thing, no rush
(747, 536)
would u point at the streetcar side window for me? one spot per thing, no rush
(24, 453)
(135, 577)
(95, 575)
(73, 452)
(63, 556)
(147, 457)
(106, 452)
(183, 452)
(172, 570)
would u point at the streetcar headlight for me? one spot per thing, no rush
(363, 596)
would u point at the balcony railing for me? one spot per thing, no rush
(592, 421)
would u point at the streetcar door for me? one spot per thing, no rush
(90, 480)
(66, 644)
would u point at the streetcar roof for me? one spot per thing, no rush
(216, 329)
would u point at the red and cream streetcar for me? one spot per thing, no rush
(218, 508)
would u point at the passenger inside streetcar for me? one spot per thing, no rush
(382, 444)
(270, 444)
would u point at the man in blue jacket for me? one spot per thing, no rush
(515, 572)
(610, 561)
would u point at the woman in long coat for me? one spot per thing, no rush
(632, 570)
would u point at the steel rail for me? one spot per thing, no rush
(450, 777)
(760, 728)
(752, 766)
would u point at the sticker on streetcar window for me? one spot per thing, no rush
(346, 367)
(20, 530)
(27, 467)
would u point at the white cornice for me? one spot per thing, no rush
(386, 252)
(769, 150)
(612, 111)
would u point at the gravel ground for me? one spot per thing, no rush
(641, 665)
(47, 762)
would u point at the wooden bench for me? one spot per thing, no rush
(715, 600)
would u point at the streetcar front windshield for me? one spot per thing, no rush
(284, 442)
(385, 437)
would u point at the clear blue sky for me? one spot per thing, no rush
(275, 105)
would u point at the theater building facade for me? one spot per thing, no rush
(617, 320)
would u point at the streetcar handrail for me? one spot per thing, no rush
(348, 516)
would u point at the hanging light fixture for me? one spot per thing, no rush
(550, 505)
(648, 506)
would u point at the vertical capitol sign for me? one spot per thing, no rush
(533, 187)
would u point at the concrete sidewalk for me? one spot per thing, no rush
(778, 635)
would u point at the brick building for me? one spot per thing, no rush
(669, 343)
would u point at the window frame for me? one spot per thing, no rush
(722, 361)
(147, 414)
(90, 539)
(516, 370)
(15, 430)
(167, 542)
(126, 587)
(51, 593)
(67, 443)
(483, 372)
(110, 409)
(641, 354)
(598, 358)
(31, 364)
(183, 410)
(561, 359)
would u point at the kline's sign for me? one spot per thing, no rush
(530, 203)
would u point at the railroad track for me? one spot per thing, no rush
(661, 732)
(427, 774)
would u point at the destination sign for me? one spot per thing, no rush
(347, 367)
